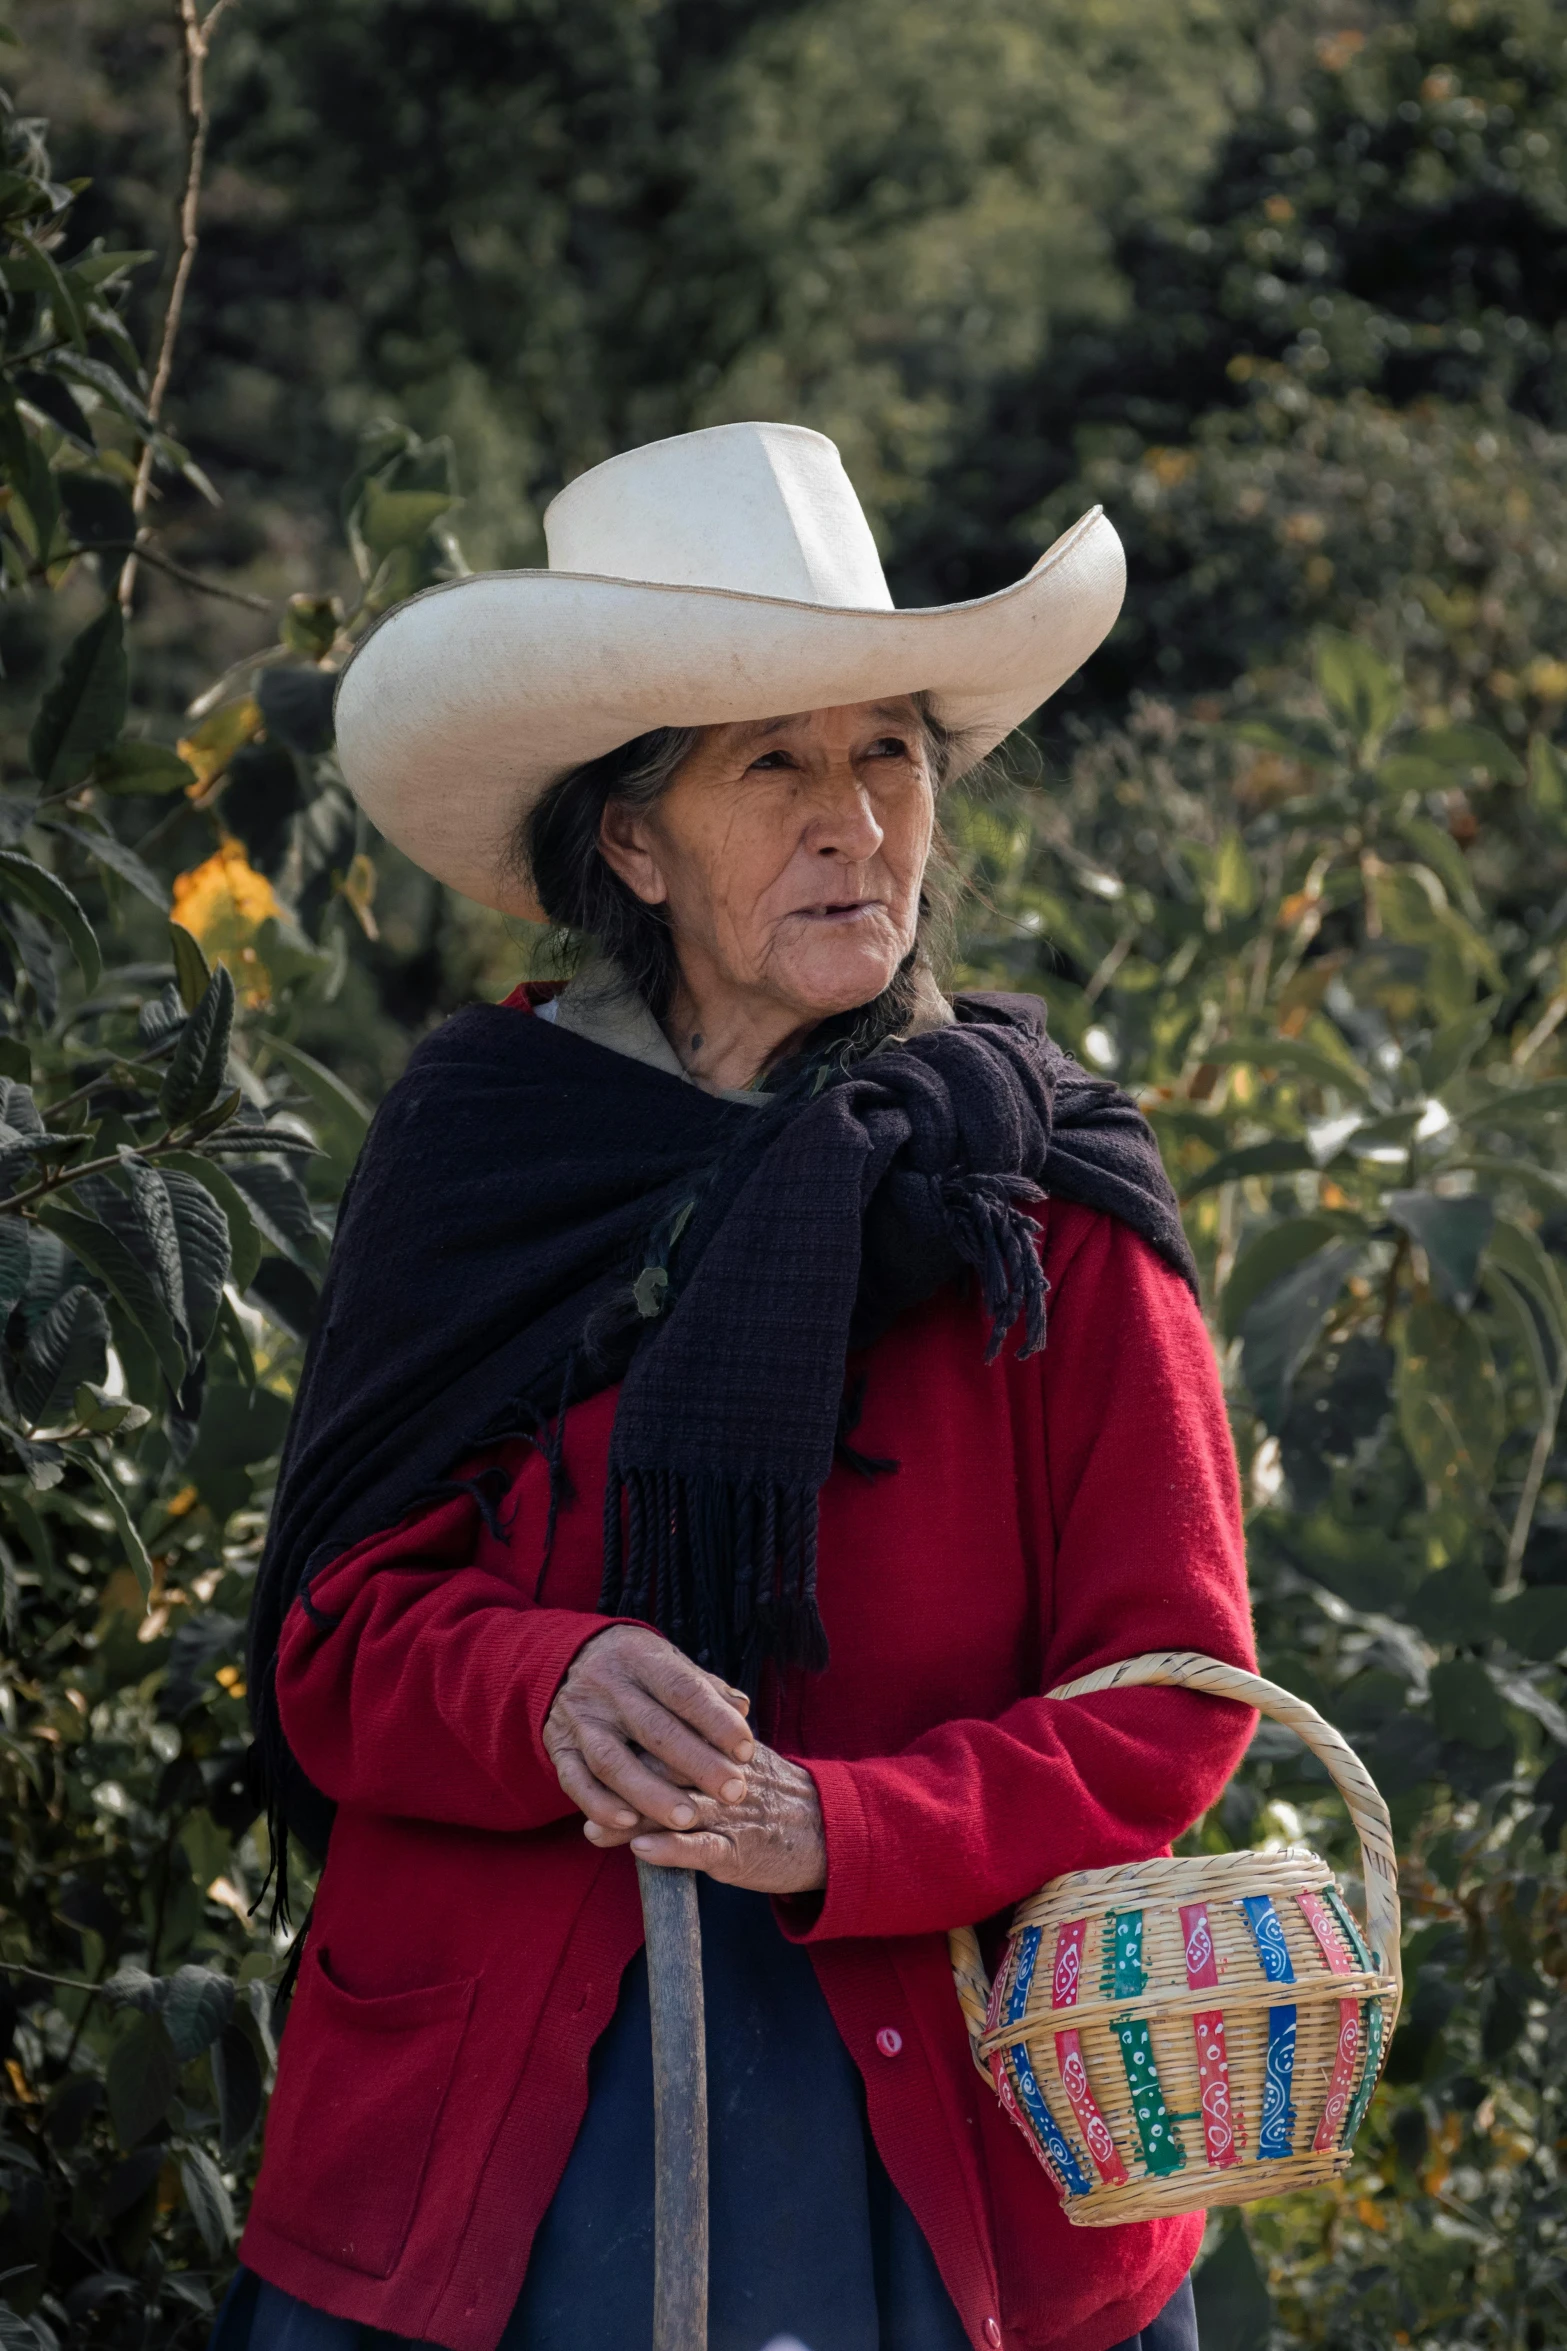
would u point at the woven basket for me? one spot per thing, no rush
(1177, 2034)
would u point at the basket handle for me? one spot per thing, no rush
(1188, 1669)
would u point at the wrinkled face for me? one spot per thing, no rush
(789, 854)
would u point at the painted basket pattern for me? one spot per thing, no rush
(1180, 2033)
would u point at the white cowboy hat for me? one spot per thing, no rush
(727, 574)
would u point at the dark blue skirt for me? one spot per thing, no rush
(809, 2237)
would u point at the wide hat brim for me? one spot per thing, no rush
(464, 704)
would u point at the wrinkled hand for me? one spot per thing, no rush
(640, 1737)
(647, 1745)
(770, 1841)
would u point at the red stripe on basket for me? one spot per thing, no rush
(1339, 2087)
(1092, 2124)
(998, 1990)
(1330, 1942)
(1324, 1926)
(1213, 2063)
(1220, 2122)
(1202, 1971)
(1067, 1976)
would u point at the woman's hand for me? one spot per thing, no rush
(647, 1744)
(642, 1738)
(770, 1841)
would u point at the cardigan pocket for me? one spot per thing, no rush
(352, 2120)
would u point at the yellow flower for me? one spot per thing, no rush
(224, 903)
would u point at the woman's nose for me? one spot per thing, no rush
(844, 823)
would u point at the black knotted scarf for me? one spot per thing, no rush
(535, 1217)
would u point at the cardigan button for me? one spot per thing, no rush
(889, 2041)
(992, 2333)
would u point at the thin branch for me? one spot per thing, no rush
(87, 1167)
(1523, 1517)
(140, 550)
(197, 31)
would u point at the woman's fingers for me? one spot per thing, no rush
(702, 1849)
(698, 1699)
(641, 1736)
(691, 1760)
(616, 1765)
(603, 1807)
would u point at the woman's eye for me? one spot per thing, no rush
(772, 759)
(889, 747)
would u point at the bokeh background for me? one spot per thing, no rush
(1285, 288)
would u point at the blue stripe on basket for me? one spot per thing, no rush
(1049, 2132)
(1268, 1935)
(1278, 2080)
(1023, 1973)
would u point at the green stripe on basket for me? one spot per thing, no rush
(1372, 2012)
(1162, 2149)
(1352, 1934)
(1122, 1975)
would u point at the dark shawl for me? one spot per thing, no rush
(535, 1217)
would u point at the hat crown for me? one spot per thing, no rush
(759, 509)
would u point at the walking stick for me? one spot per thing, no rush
(674, 1982)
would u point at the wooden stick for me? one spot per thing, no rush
(674, 1981)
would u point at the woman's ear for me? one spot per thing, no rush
(626, 846)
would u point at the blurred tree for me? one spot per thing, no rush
(1388, 228)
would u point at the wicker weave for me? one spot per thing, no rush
(1176, 2034)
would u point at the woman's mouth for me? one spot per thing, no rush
(855, 910)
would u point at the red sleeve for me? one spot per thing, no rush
(1144, 1550)
(415, 1682)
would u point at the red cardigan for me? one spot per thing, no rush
(1047, 1517)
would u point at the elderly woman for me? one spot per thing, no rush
(745, 1382)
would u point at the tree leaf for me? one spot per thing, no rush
(1302, 739)
(281, 1208)
(202, 1233)
(211, 2206)
(131, 765)
(1453, 1232)
(84, 710)
(1521, 1254)
(1470, 747)
(1465, 1704)
(22, 877)
(142, 2077)
(135, 1549)
(1535, 1623)
(118, 856)
(69, 1346)
(1282, 1156)
(297, 707)
(1358, 686)
(1280, 1327)
(1273, 1253)
(192, 971)
(1295, 1057)
(197, 2004)
(14, 1260)
(236, 2076)
(244, 1240)
(111, 1245)
(1547, 778)
(1234, 2307)
(1449, 1406)
(195, 1075)
(156, 1238)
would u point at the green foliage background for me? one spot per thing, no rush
(1285, 288)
